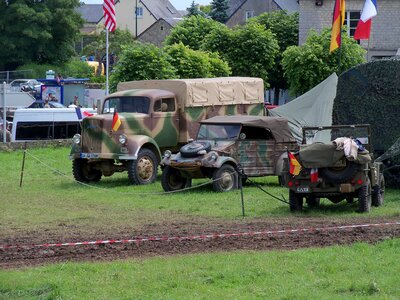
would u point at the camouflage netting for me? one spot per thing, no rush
(370, 94)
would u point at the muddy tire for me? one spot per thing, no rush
(172, 180)
(295, 201)
(378, 192)
(364, 197)
(313, 201)
(339, 175)
(83, 172)
(143, 170)
(191, 149)
(225, 179)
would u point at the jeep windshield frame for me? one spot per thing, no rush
(127, 104)
(218, 131)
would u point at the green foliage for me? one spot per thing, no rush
(141, 62)
(307, 65)
(194, 10)
(40, 32)
(191, 31)
(218, 10)
(195, 64)
(286, 30)
(74, 68)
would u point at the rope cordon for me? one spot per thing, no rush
(200, 237)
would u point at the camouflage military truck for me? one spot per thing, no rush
(257, 145)
(155, 115)
(340, 168)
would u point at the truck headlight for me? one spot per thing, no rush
(76, 138)
(122, 139)
(214, 155)
(167, 154)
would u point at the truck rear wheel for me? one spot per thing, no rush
(143, 170)
(83, 172)
(172, 180)
(364, 197)
(225, 179)
(295, 201)
(378, 192)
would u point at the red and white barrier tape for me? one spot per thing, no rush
(201, 237)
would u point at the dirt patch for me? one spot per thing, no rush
(22, 257)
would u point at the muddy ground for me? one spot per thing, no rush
(32, 256)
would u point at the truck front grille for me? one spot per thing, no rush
(92, 135)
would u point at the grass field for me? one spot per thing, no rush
(50, 201)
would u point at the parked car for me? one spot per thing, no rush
(18, 85)
(256, 145)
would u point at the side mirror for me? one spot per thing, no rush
(98, 106)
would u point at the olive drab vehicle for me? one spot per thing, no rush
(155, 115)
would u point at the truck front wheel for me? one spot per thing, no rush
(295, 201)
(83, 172)
(143, 170)
(172, 180)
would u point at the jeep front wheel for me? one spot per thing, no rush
(295, 201)
(172, 180)
(378, 192)
(143, 170)
(364, 197)
(83, 172)
(225, 179)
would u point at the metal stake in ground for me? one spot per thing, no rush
(241, 175)
(23, 166)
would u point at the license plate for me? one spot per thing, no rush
(89, 155)
(303, 189)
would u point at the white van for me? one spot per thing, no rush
(31, 124)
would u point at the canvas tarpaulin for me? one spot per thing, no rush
(313, 108)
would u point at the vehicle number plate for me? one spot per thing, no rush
(303, 189)
(89, 155)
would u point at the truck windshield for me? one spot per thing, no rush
(127, 104)
(220, 131)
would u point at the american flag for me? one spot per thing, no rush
(109, 15)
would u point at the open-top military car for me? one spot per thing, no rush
(256, 144)
(342, 167)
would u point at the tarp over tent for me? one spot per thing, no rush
(313, 108)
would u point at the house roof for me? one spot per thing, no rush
(233, 6)
(161, 9)
(288, 5)
(91, 13)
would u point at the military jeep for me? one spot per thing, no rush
(335, 162)
(255, 144)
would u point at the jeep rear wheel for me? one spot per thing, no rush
(143, 170)
(364, 197)
(378, 192)
(83, 172)
(172, 180)
(313, 201)
(295, 201)
(225, 179)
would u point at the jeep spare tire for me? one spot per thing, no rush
(191, 149)
(339, 174)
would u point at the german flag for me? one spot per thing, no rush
(337, 23)
(294, 164)
(116, 122)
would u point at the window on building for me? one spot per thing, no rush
(351, 21)
(249, 14)
(139, 12)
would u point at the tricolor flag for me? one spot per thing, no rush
(363, 29)
(337, 23)
(294, 164)
(109, 15)
(314, 175)
(116, 122)
(81, 115)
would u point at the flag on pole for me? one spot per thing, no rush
(314, 175)
(337, 23)
(109, 15)
(78, 112)
(363, 29)
(116, 122)
(294, 164)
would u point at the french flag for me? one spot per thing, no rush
(363, 29)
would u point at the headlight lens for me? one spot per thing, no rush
(77, 138)
(214, 155)
(167, 154)
(122, 139)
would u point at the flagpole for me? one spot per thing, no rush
(106, 61)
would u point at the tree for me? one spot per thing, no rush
(196, 64)
(218, 10)
(286, 29)
(141, 61)
(194, 10)
(37, 31)
(191, 31)
(307, 65)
